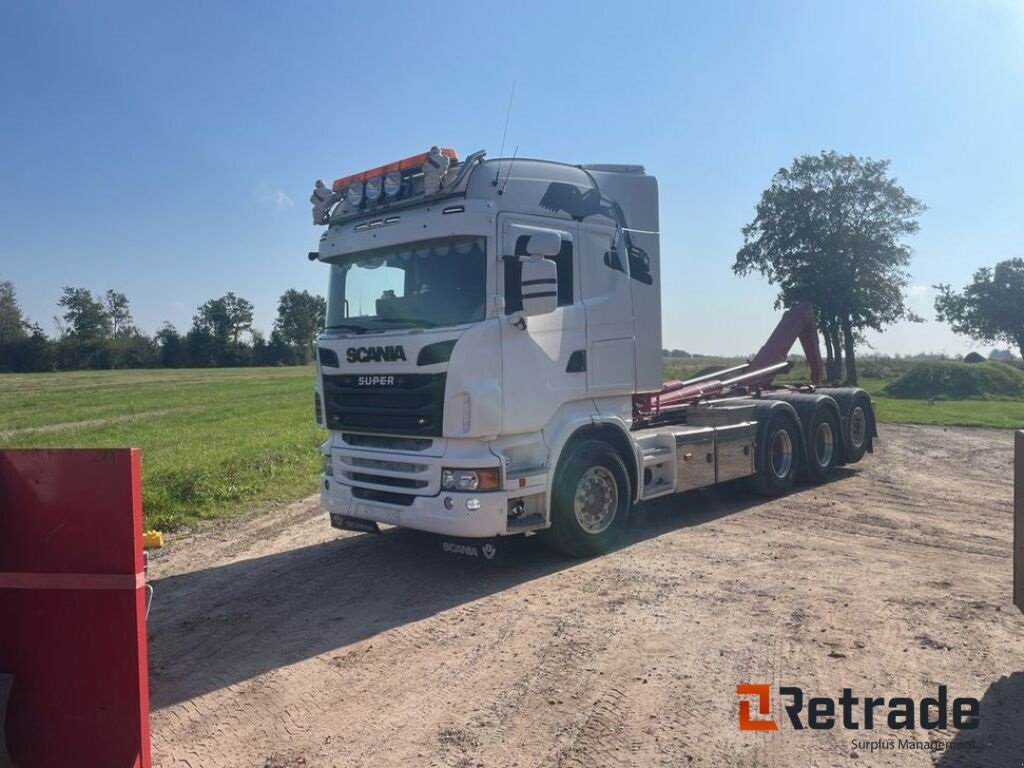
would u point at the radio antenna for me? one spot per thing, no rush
(509, 171)
(504, 133)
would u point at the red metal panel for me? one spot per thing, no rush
(72, 608)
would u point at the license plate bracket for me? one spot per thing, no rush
(346, 523)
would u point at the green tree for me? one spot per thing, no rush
(224, 319)
(85, 317)
(119, 312)
(172, 350)
(829, 230)
(300, 317)
(991, 308)
(13, 326)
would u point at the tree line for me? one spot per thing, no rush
(97, 331)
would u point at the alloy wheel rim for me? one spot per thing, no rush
(782, 454)
(824, 444)
(858, 427)
(596, 500)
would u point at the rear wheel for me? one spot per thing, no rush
(590, 501)
(858, 428)
(779, 456)
(823, 446)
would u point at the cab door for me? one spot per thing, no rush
(543, 363)
(605, 294)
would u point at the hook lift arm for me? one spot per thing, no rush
(798, 323)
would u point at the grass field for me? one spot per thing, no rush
(213, 441)
(974, 412)
(223, 441)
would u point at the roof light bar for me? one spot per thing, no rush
(414, 162)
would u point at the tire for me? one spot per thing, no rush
(859, 422)
(778, 456)
(823, 446)
(590, 501)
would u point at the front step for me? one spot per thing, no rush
(659, 466)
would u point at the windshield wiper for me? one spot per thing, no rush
(346, 326)
(414, 323)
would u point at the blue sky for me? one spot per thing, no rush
(168, 149)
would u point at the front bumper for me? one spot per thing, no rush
(425, 513)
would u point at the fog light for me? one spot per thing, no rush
(448, 502)
(472, 504)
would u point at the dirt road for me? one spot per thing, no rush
(280, 642)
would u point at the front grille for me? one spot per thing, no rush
(387, 443)
(385, 497)
(403, 404)
(397, 482)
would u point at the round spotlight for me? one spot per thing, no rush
(354, 194)
(393, 183)
(374, 187)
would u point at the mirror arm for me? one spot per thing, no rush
(517, 320)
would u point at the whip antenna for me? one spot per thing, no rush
(509, 171)
(504, 133)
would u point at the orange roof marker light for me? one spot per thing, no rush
(413, 163)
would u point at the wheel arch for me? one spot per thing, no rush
(609, 431)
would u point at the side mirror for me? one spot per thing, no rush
(539, 285)
(544, 243)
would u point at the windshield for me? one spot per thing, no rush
(423, 284)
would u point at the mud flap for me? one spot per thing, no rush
(486, 550)
(346, 523)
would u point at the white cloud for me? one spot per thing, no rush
(921, 298)
(275, 197)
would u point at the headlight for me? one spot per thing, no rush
(393, 183)
(328, 464)
(374, 188)
(470, 479)
(354, 194)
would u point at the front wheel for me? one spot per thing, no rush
(779, 457)
(590, 501)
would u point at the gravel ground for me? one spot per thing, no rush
(281, 642)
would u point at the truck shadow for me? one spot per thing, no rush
(220, 626)
(999, 738)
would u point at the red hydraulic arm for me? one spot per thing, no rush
(797, 323)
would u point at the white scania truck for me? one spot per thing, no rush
(491, 364)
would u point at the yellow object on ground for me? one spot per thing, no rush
(152, 539)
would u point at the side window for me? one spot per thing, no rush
(514, 275)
